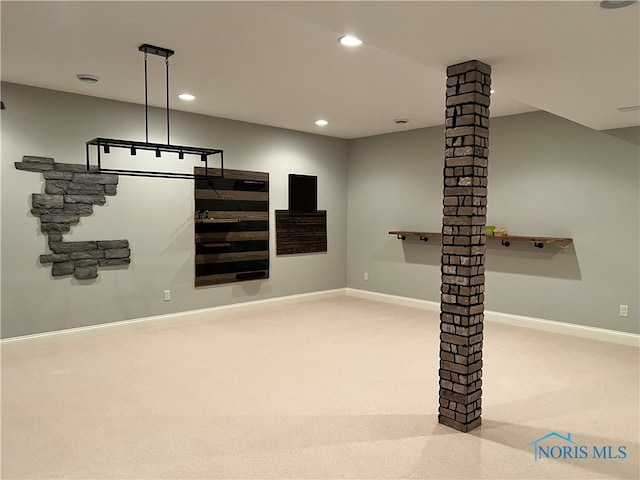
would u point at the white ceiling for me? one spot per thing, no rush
(280, 63)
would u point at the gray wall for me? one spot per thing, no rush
(547, 177)
(155, 215)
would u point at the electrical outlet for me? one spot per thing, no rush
(167, 295)
(366, 276)
(624, 310)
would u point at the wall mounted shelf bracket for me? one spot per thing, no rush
(536, 243)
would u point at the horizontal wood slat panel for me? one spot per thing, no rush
(240, 215)
(206, 269)
(237, 174)
(231, 205)
(232, 257)
(231, 236)
(231, 184)
(229, 278)
(236, 215)
(211, 194)
(217, 220)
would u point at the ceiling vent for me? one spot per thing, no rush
(612, 4)
(87, 78)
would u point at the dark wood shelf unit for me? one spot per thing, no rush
(539, 242)
(232, 245)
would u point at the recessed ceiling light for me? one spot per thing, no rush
(322, 123)
(87, 78)
(401, 121)
(350, 41)
(186, 96)
(611, 4)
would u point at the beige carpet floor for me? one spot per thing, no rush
(339, 388)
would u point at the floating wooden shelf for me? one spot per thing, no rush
(215, 245)
(217, 220)
(506, 240)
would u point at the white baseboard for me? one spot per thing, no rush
(601, 334)
(395, 299)
(182, 316)
(583, 331)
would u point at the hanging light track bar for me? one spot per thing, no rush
(107, 143)
(104, 146)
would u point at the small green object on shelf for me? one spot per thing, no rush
(489, 229)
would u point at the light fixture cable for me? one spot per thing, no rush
(166, 62)
(146, 101)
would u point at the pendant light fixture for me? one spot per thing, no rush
(106, 144)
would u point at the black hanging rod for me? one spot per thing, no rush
(133, 146)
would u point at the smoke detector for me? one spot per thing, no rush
(87, 78)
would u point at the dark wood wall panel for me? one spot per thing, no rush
(301, 232)
(232, 245)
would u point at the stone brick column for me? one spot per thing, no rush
(463, 244)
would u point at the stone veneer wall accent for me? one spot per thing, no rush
(463, 244)
(70, 193)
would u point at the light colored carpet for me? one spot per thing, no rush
(334, 388)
